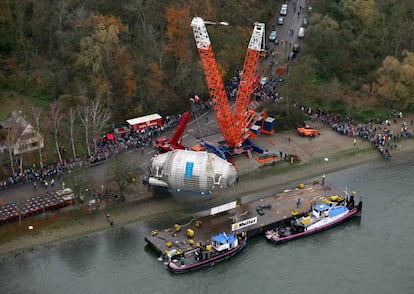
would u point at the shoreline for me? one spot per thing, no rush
(252, 185)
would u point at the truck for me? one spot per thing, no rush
(306, 130)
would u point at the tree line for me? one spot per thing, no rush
(358, 58)
(88, 64)
(136, 56)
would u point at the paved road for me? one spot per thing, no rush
(293, 21)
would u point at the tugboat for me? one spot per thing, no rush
(223, 246)
(322, 216)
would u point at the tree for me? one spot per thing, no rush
(160, 95)
(143, 15)
(71, 115)
(124, 88)
(56, 117)
(12, 135)
(37, 112)
(94, 118)
(395, 83)
(99, 118)
(178, 32)
(85, 117)
(99, 49)
(122, 172)
(77, 179)
(71, 103)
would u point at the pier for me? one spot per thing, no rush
(252, 217)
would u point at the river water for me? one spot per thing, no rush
(374, 254)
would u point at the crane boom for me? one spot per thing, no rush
(247, 79)
(233, 126)
(163, 144)
(214, 82)
(176, 139)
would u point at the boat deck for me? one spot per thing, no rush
(253, 217)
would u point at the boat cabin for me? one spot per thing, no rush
(338, 210)
(223, 241)
(320, 210)
(325, 210)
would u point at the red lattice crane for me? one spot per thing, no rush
(233, 126)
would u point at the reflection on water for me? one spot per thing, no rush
(372, 254)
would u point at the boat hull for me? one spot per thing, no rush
(355, 212)
(177, 268)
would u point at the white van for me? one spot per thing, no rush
(301, 33)
(283, 10)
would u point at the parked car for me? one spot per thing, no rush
(291, 55)
(273, 37)
(305, 22)
(280, 20)
(301, 32)
(283, 10)
(264, 80)
(296, 48)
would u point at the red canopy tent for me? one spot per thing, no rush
(110, 136)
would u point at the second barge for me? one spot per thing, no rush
(252, 217)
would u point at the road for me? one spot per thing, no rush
(293, 21)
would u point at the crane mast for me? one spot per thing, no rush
(242, 119)
(214, 81)
(234, 127)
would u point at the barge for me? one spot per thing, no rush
(253, 217)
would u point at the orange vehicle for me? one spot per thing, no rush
(307, 130)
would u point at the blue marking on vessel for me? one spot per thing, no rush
(334, 211)
(189, 166)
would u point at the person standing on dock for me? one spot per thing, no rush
(298, 203)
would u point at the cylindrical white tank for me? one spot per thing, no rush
(201, 172)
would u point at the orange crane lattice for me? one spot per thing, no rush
(234, 127)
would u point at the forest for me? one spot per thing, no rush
(61, 59)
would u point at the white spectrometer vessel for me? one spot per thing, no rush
(190, 172)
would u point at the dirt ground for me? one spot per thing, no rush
(326, 153)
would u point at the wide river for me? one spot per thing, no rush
(372, 255)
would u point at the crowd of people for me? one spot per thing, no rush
(47, 176)
(377, 131)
